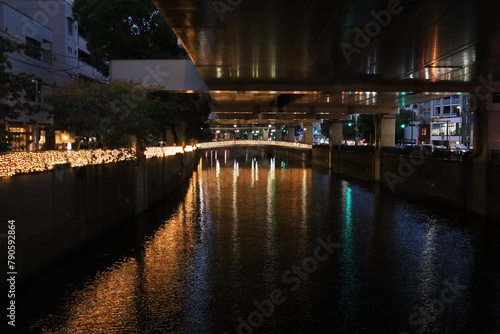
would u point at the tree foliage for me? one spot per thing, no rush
(113, 113)
(135, 29)
(14, 88)
(125, 29)
(366, 127)
(184, 114)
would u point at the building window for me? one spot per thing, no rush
(17, 130)
(424, 132)
(455, 129)
(437, 111)
(33, 48)
(34, 94)
(446, 129)
(70, 26)
(83, 56)
(439, 129)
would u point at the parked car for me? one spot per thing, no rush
(426, 147)
(461, 149)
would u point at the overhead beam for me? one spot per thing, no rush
(365, 84)
(319, 109)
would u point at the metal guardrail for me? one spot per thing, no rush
(354, 148)
(435, 154)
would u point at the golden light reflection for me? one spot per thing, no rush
(167, 257)
(255, 172)
(304, 195)
(271, 220)
(107, 305)
(236, 174)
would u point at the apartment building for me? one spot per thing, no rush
(446, 121)
(57, 55)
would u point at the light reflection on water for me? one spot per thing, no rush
(245, 220)
(107, 305)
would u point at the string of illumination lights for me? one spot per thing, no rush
(29, 162)
(165, 151)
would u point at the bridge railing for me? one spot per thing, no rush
(224, 143)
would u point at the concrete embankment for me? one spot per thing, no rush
(59, 210)
(445, 181)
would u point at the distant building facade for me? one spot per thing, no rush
(57, 55)
(446, 121)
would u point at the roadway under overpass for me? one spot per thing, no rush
(268, 62)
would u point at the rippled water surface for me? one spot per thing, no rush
(257, 244)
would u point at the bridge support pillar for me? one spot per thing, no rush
(308, 133)
(265, 133)
(385, 135)
(482, 196)
(290, 134)
(335, 133)
(335, 140)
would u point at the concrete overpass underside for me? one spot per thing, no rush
(298, 61)
(308, 60)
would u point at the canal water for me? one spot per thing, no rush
(258, 244)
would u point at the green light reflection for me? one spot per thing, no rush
(349, 274)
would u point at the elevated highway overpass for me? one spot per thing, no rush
(290, 62)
